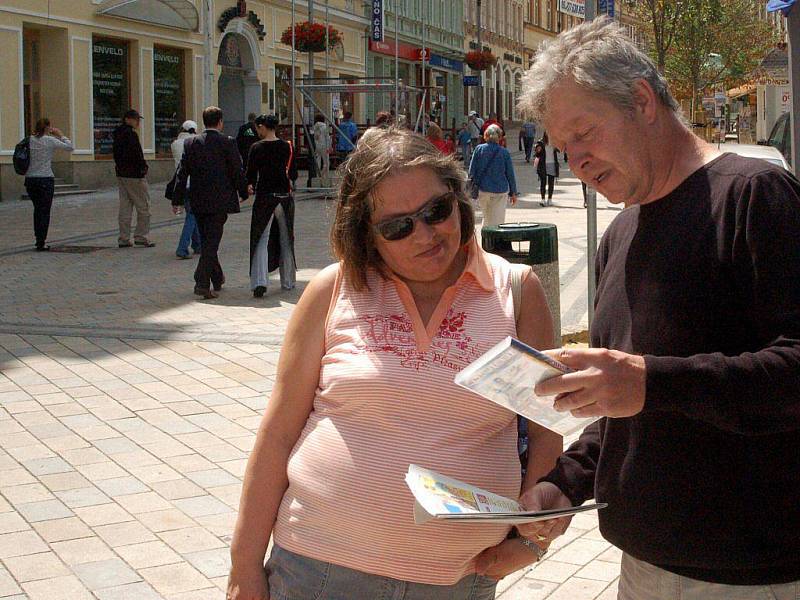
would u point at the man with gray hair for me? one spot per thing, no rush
(695, 365)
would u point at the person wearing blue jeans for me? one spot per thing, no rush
(189, 235)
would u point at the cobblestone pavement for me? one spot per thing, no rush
(128, 407)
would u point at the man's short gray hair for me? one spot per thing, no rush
(493, 132)
(599, 57)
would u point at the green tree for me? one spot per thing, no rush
(699, 44)
(662, 19)
(716, 43)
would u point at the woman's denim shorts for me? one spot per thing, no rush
(295, 577)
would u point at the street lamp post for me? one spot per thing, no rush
(480, 73)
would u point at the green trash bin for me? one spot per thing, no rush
(534, 244)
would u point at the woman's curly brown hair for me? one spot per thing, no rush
(379, 154)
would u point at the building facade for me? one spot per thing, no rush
(432, 27)
(502, 31)
(82, 63)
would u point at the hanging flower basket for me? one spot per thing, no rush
(310, 37)
(480, 60)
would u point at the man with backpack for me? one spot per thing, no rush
(131, 169)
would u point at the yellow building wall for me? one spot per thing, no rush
(81, 95)
(11, 104)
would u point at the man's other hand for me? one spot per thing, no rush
(606, 383)
(544, 496)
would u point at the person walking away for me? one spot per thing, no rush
(322, 145)
(269, 171)
(246, 137)
(190, 234)
(39, 178)
(493, 120)
(131, 169)
(347, 143)
(365, 387)
(465, 143)
(546, 164)
(695, 344)
(527, 137)
(493, 171)
(213, 168)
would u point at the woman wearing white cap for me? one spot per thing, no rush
(190, 233)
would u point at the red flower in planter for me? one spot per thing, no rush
(480, 60)
(310, 37)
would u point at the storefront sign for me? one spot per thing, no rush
(405, 51)
(576, 8)
(168, 95)
(446, 63)
(377, 20)
(605, 7)
(109, 90)
(472, 80)
(423, 54)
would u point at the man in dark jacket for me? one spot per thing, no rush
(131, 170)
(246, 137)
(212, 161)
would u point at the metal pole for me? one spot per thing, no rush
(793, 27)
(396, 59)
(294, 82)
(425, 95)
(591, 212)
(208, 76)
(480, 73)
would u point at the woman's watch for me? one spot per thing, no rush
(537, 549)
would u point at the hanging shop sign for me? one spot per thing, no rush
(377, 20)
(404, 51)
(109, 90)
(576, 8)
(472, 80)
(605, 7)
(446, 63)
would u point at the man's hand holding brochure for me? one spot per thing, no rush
(440, 497)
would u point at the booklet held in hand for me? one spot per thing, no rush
(440, 497)
(507, 374)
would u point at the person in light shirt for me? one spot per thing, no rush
(365, 387)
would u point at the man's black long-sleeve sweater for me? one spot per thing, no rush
(705, 283)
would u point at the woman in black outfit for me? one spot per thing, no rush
(546, 161)
(270, 170)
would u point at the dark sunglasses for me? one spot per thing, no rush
(433, 212)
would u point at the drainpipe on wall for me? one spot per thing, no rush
(208, 76)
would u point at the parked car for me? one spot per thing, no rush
(768, 153)
(781, 137)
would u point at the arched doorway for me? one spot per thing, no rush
(238, 88)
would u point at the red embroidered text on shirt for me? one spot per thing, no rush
(394, 334)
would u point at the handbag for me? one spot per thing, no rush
(472, 184)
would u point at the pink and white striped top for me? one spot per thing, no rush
(386, 398)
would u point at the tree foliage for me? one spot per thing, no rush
(700, 44)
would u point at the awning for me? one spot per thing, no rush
(180, 14)
(740, 91)
(785, 6)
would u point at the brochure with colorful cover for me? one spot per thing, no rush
(507, 373)
(440, 497)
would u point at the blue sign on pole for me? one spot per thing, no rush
(377, 21)
(472, 80)
(437, 60)
(605, 7)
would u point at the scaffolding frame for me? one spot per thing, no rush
(361, 85)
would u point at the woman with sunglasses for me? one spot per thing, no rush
(365, 387)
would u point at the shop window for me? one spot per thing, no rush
(110, 89)
(169, 96)
(283, 93)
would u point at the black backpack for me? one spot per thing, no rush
(22, 156)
